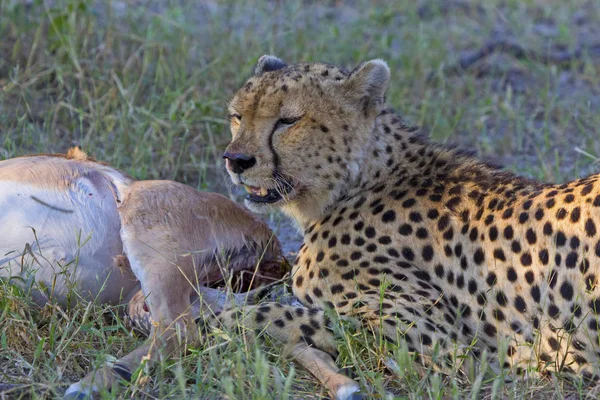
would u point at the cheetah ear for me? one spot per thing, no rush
(268, 63)
(368, 82)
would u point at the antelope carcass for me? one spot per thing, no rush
(73, 228)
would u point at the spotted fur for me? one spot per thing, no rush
(419, 241)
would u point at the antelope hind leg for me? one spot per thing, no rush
(175, 308)
(173, 328)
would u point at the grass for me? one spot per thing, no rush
(144, 86)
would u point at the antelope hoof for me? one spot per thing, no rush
(349, 392)
(357, 396)
(77, 392)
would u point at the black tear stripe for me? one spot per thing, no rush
(277, 176)
(122, 371)
(275, 155)
(261, 92)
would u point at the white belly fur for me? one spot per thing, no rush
(57, 237)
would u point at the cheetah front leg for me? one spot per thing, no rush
(305, 335)
(323, 367)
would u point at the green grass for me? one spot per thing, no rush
(144, 87)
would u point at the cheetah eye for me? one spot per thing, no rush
(236, 117)
(285, 122)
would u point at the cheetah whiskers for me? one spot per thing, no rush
(283, 182)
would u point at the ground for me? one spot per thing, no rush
(144, 86)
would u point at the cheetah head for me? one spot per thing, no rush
(299, 132)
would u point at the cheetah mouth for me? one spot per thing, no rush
(261, 194)
(264, 195)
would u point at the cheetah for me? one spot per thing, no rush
(422, 243)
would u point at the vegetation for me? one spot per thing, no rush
(144, 86)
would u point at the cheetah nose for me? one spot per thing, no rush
(238, 163)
